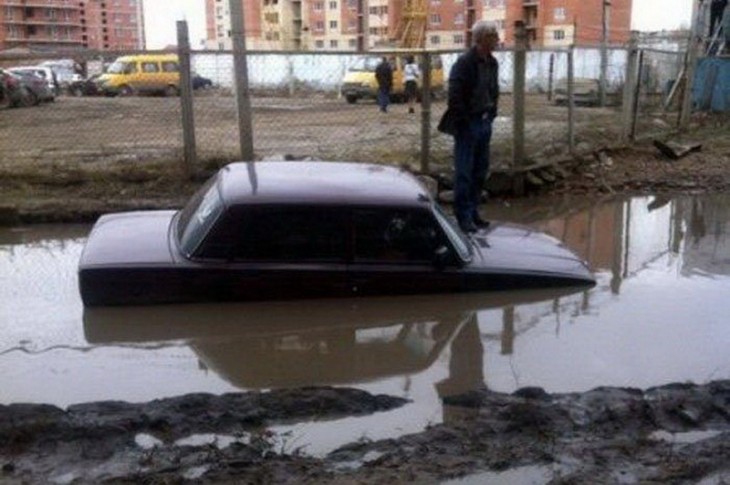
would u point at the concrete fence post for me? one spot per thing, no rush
(186, 98)
(240, 66)
(426, 113)
(518, 95)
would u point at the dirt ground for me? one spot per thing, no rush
(673, 434)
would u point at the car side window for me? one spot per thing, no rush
(293, 234)
(150, 67)
(170, 66)
(130, 68)
(394, 235)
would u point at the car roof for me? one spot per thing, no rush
(320, 183)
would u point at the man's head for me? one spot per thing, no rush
(485, 36)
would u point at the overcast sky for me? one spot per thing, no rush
(160, 18)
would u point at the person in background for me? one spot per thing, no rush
(472, 107)
(411, 75)
(384, 76)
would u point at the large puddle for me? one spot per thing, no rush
(659, 314)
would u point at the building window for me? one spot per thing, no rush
(318, 6)
(435, 40)
(458, 39)
(435, 19)
(559, 14)
(494, 3)
(352, 42)
(319, 26)
(558, 34)
(352, 24)
(352, 3)
(333, 5)
(319, 44)
(333, 24)
(459, 18)
(333, 44)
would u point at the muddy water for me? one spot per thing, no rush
(659, 314)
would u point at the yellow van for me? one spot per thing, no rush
(144, 73)
(360, 83)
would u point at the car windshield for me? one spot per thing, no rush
(198, 216)
(117, 67)
(367, 64)
(460, 243)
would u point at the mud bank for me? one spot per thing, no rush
(677, 433)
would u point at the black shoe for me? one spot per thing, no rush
(468, 227)
(481, 223)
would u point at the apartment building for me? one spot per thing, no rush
(560, 23)
(72, 24)
(333, 24)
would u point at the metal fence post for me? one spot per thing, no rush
(243, 101)
(426, 113)
(518, 95)
(630, 86)
(186, 98)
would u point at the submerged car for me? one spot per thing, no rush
(290, 230)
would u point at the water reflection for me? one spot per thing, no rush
(266, 345)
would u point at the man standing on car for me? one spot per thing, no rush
(384, 76)
(472, 107)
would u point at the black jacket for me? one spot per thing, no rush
(384, 75)
(463, 80)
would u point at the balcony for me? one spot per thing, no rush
(43, 4)
(43, 21)
(41, 40)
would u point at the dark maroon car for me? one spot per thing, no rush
(285, 230)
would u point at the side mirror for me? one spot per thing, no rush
(441, 257)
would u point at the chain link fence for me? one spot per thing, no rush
(300, 108)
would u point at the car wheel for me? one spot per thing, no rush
(28, 98)
(171, 91)
(351, 99)
(126, 91)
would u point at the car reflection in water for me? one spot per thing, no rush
(330, 342)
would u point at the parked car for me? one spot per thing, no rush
(43, 72)
(286, 230)
(200, 82)
(85, 87)
(144, 73)
(14, 92)
(39, 90)
(586, 92)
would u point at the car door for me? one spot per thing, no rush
(284, 252)
(394, 251)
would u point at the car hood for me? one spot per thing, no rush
(509, 248)
(129, 238)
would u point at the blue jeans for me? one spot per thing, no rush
(383, 99)
(471, 164)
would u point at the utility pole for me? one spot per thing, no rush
(240, 66)
(605, 21)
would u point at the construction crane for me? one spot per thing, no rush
(411, 30)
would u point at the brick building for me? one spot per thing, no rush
(72, 24)
(556, 23)
(333, 24)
